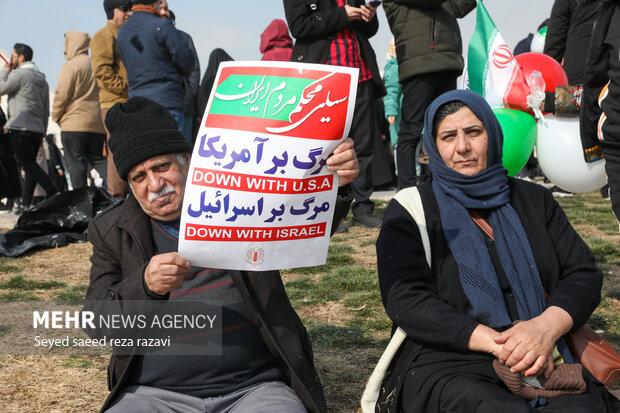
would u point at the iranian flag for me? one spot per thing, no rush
(492, 70)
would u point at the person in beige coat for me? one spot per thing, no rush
(111, 76)
(76, 110)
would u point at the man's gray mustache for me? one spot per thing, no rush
(164, 191)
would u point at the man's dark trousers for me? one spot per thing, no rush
(81, 149)
(418, 93)
(364, 129)
(25, 146)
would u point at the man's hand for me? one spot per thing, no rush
(165, 272)
(368, 12)
(365, 13)
(344, 162)
(7, 67)
(353, 13)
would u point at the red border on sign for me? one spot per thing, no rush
(195, 232)
(263, 184)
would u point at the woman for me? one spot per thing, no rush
(459, 313)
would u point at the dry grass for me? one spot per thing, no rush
(52, 384)
(69, 264)
(331, 313)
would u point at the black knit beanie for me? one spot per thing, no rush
(141, 129)
(110, 5)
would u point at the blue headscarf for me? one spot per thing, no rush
(487, 190)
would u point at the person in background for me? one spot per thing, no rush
(77, 112)
(191, 83)
(568, 39)
(393, 101)
(10, 187)
(600, 104)
(55, 163)
(216, 57)
(336, 32)
(568, 35)
(275, 42)
(111, 77)
(429, 54)
(157, 57)
(28, 110)
(533, 42)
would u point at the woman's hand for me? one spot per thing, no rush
(527, 346)
(481, 340)
(391, 119)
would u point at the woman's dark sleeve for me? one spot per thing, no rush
(578, 291)
(407, 287)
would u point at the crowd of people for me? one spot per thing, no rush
(508, 277)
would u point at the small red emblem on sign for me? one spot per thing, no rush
(255, 256)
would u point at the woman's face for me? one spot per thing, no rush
(462, 142)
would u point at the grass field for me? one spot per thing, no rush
(339, 303)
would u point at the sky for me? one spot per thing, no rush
(234, 26)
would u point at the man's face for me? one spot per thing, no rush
(163, 9)
(15, 60)
(121, 15)
(159, 184)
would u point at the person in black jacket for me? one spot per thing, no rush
(216, 57)
(599, 121)
(336, 32)
(10, 187)
(265, 360)
(429, 53)
(191, 83)
(157, 57)
(568, 35)
(495, 246)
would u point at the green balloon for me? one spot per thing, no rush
(519, 137)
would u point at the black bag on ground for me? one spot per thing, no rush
(55, 222)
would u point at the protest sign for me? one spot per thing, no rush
(258, 194)
(5, 58)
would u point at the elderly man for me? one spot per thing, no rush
(266, 361)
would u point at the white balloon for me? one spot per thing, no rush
(560, 155)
